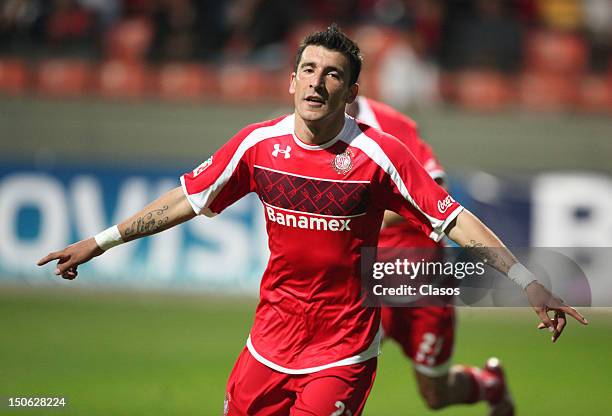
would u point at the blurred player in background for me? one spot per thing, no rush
(426, 334)
(325, 181)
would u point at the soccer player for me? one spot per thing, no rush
(426, 334)
(325, 181)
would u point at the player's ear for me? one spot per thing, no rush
(352, 93)
(292, 84)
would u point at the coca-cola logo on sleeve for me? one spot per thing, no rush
(202, 167)
(445, 203)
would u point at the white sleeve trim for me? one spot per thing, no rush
(195, 208)
(440, 231)
(372, 351)
(206, 211)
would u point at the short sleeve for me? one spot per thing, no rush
(222, 179)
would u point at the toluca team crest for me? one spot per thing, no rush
(343, 162)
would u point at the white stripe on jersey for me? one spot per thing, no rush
(200, 201)
(361, 141)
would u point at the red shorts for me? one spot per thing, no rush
(253, 389)
(425, 334)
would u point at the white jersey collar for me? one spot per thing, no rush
(345, 130)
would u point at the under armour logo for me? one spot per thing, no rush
(286, 152)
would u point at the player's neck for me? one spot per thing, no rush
(352, 109)
(318, 132)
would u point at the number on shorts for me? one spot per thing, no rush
(342, 410)
(429, 349)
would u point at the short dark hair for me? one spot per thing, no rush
(334, 39)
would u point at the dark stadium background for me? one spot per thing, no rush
(507, 93)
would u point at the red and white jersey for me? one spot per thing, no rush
(391, 121)
(322, 205)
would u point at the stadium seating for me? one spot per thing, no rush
(186, 82)
(596, 94)
(554, 76)
(241, 83)
(63, 77)
(544, 91)
(556, 52)
(118, 79)
(13, 76)
(483, 90)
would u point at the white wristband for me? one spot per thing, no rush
(520, 275)
(109, 238)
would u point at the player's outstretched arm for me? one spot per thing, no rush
(468, 231)
(169, 210)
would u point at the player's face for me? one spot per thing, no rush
(321, 84)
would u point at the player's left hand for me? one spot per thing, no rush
(543, 302)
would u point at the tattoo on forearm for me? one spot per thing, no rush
(149, 223)
(489, 255)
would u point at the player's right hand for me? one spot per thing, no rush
(71, 257)
(543, 302)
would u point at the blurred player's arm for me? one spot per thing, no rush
(167, 211)
(468, 231)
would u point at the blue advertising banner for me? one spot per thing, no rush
(43, 210)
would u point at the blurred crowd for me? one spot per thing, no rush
(434, 35)
(455, 34)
